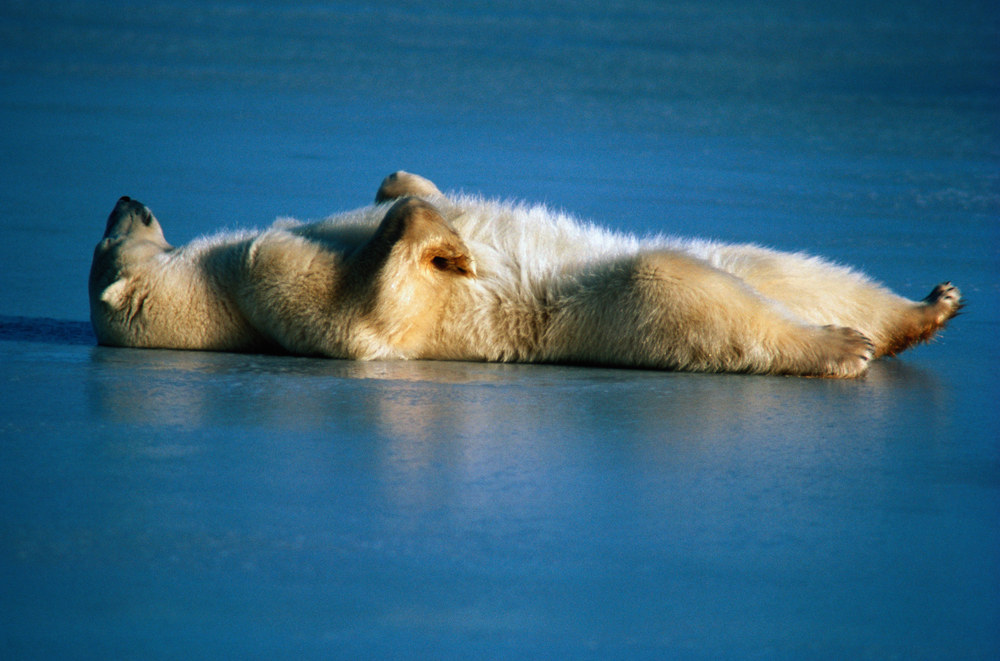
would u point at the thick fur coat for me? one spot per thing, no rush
(421, 275)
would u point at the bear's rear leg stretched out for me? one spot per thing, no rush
(922, 320)
(669, 310)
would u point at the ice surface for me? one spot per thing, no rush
(160, 504)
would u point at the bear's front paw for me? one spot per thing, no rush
(402, 184)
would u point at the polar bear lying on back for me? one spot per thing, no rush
(422, 275)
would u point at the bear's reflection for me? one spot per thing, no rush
(473, 447)
(414, 411)
(430, 401)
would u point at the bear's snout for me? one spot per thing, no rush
(132, 219)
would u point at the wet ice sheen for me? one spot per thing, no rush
(160, 503)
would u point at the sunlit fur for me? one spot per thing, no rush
(464, 278)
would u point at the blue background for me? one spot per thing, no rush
(160, 504)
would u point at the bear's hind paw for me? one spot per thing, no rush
(845, 353)
(920, 322)
(942, 304)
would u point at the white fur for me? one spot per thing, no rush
(474, 279)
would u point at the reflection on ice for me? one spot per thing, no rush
(428, 400)
(501, 437)
(532, 490)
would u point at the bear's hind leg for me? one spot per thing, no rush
(822, 293)
(922, 320)
(836, 351)
(402, 184)
(668, 310)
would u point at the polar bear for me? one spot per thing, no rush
(421, 275)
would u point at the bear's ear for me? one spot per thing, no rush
(114, 293)
(449, 258)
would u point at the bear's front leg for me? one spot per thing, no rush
(401, 184)
(381, 300)
(668, 310)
